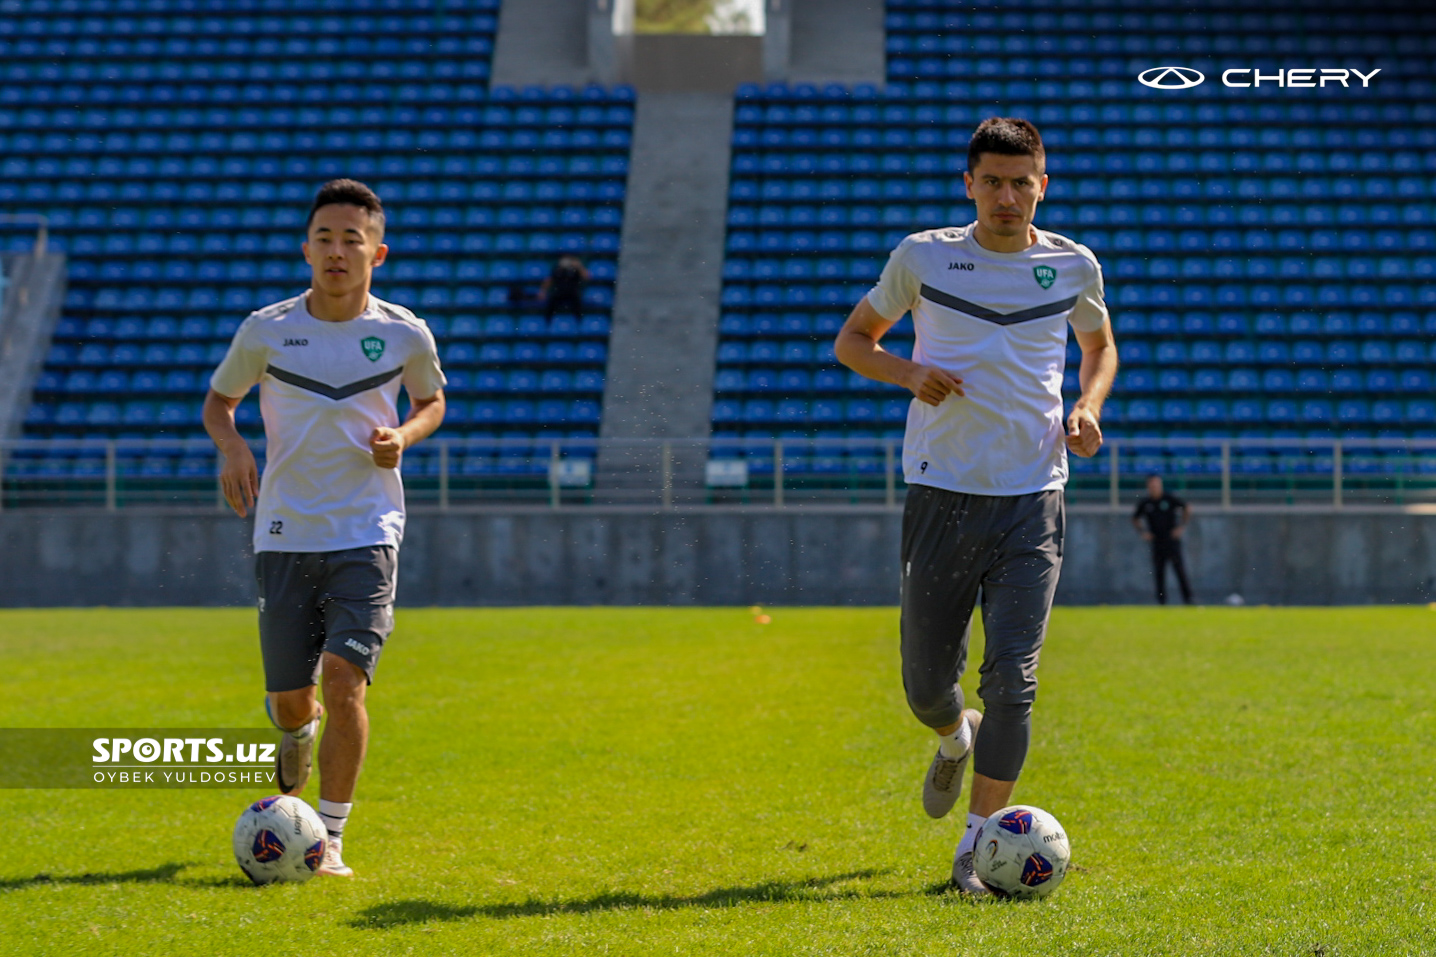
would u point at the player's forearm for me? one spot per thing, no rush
(218, 419)
(423, 421)
(1099, 369)
(865, 357)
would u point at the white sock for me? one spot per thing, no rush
(958, 743)
(305, 732)
(334, 816)
(969, 836)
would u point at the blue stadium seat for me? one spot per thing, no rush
(1211, 411)
(758, 411)
(1353, 412)
(1380, 380)
(1278, 380)
(1421, 412)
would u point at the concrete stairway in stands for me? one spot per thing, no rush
(34, 292)
(670, 276)
(837, 41)
(544, 43)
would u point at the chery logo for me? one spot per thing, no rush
(1184, 77)
(1170, 77)
(1309, 76)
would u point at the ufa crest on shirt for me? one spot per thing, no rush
(1046, 276)
(373, 348)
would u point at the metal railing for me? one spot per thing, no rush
(783, 472)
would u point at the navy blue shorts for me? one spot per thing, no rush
(312, 602)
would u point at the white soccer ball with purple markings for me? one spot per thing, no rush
(279, 839)
(1022, 852)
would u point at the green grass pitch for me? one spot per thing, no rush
(687, 781)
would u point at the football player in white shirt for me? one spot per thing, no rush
(985, 455)
(329, 514)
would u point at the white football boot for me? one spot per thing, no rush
(943, 784)
(334, 865)
(291, 767)
(964, 876)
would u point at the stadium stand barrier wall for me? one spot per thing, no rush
(696, 557)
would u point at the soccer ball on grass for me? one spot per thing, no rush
(1022, 852)
(279, 839)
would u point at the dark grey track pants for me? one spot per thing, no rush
(1007, 550)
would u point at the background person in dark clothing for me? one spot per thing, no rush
(564, 287)
(1166, 517)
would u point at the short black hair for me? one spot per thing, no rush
(1006, 136)
(348, 192)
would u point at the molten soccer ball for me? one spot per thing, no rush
(1022, 852)
(279, 839)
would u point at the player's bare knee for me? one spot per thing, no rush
(344, 683)
(292, 709)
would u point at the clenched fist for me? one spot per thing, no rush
(388, 446)
(1084, 435)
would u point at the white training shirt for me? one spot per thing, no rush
(997, 321)
(323, 389)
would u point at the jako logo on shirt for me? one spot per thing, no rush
(357, 646)
(1046, 276)
(373, 348)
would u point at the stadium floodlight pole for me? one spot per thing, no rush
(42, 229)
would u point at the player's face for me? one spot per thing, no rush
(1154, 487)
(1007, 190)
(343, 248)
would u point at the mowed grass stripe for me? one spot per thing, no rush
(686, 781)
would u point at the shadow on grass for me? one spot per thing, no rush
(233, 880)
(150, 875)
(399, 913)
(948, 890)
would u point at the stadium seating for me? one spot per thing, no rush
(1270, 259)
(175, 146)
